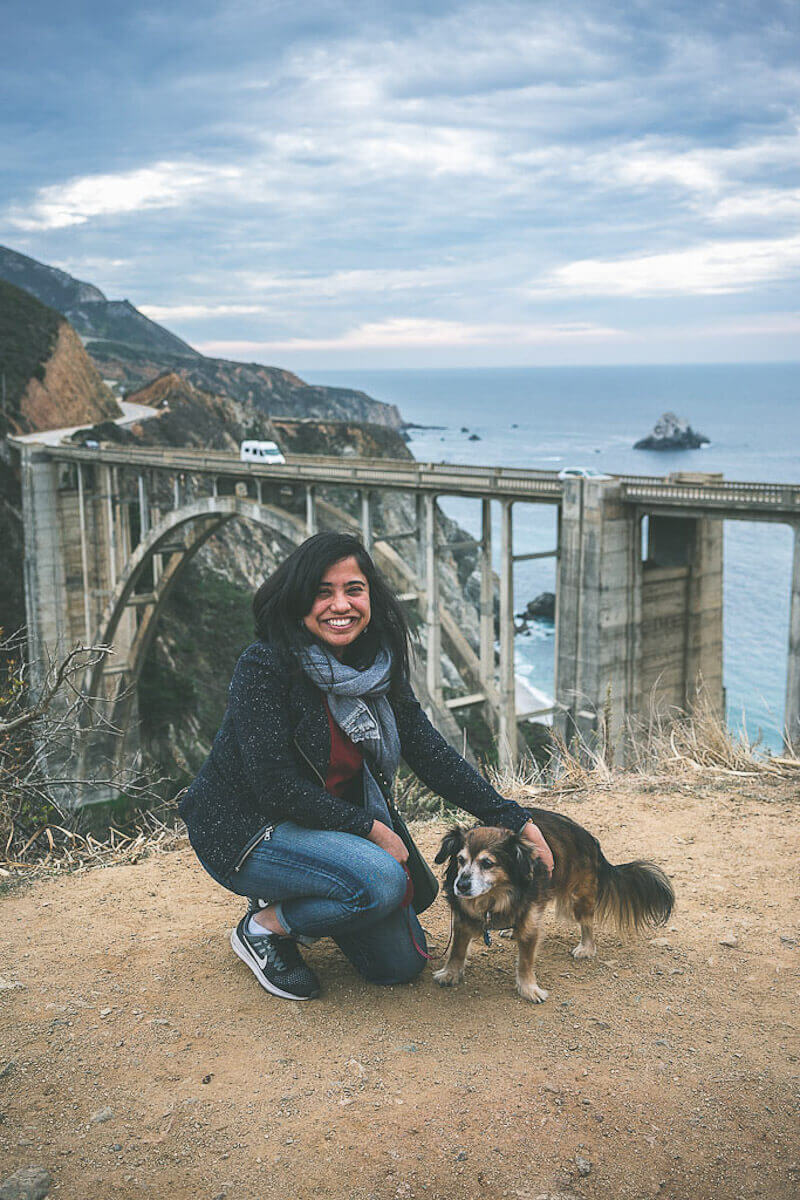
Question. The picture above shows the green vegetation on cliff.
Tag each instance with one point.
(28, 332)
(185, 678)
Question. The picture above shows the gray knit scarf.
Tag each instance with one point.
(358, 704)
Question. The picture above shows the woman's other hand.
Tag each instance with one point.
(533, 834)
(388, 840)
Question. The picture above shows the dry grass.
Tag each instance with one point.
(669, 747)
(154, 831)
(673, 749)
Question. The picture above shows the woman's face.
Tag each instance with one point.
(341, 610)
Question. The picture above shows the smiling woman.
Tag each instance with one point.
(294, 801)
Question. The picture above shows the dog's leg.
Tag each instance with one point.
(586, 947)
(527, 935)
(583, 911)
(452, 973)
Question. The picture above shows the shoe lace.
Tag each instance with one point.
(282, 952)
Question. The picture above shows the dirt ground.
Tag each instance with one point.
(139, 1057)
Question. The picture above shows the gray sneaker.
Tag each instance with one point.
(276, 963)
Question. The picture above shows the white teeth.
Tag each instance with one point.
(342, 622)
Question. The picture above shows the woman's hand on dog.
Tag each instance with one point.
(532, 833)
(388, 840)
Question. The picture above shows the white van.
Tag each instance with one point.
(263, 452)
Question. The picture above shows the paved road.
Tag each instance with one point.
(52, 437)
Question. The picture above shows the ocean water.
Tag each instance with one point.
(553, 417)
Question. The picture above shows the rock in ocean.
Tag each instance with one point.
(672, 433)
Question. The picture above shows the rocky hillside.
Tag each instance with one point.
(49, 379)
(133, 351)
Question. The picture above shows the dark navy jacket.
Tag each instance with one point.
(270, 758)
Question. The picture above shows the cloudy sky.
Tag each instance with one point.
(417, 183)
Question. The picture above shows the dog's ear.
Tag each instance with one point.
(520, 860)
(452, 842)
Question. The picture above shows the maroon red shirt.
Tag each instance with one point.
(346, 759)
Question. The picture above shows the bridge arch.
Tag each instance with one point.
(163, 555)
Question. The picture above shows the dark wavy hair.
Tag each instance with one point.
(288, 594)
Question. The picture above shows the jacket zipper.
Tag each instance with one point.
(266, 833)
(263, 835)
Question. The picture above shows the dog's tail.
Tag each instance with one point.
(634, 895)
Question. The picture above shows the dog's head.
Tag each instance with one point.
(484, 858)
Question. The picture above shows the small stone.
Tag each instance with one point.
(7, 1069)
(729, 940)
(8, 985)
(106, 1012)
(115, 1147)
(461, 1156)
(583, 1165)
(101, 1116)
(660, 941)
(28, 1183)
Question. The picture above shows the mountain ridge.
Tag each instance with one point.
(129, 348)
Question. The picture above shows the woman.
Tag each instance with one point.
(291, 803)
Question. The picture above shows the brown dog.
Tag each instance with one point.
(494, 880)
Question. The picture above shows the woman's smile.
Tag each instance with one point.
(341, 609)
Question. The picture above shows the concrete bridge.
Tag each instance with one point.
(108, 532)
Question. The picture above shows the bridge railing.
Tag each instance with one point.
(457, 478)
(722, 494)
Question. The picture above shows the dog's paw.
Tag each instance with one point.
(532, 992)
(447, 977)
(583, 951)
(507, 933)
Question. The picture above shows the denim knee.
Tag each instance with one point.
(385, 888)
(405, 971)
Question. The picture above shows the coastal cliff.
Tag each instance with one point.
(130, 349)
(49, 380)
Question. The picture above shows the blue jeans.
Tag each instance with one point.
(329, 884)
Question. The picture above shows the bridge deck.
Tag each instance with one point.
(733, 499)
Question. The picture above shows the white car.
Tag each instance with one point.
(267, 453)
(581, 473)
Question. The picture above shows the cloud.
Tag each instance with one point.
(191, 312)
(420, 333)
(161, 185)
(713, 268)
(764, 205)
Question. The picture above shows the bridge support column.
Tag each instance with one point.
(419, 503)
(791, 720)
(487, 597)
(87, 618)
(46, 600)
(634, 634)
(311, 510)
(596, 589)
(366, 520)
(144, 509)
(507, 732)
(432, 615)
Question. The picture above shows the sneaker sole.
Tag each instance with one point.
(241, 952)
